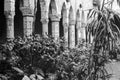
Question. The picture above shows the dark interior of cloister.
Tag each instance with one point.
(18, 22)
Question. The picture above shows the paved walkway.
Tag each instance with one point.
(114, 68)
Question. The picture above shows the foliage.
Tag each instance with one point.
(45, 57)
(72, 63)
(32, 55)
(104, 26)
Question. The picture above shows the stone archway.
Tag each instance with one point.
(53, 7)
(50, 27)
(61, 32)
(38, 24)
(18, 20)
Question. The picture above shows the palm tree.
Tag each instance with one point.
(104, 26)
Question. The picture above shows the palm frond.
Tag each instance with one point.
(115, 26)
(104, 25)
(118, 2)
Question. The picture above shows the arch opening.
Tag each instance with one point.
(2, 22)
(38, 24)
(18, 20)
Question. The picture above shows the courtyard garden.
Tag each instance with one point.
(44, 58)
(47, 59)
(38, 58)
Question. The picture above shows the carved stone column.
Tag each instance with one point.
(78, 26)
(72, 34)
(28, 15)
(83, 29)
(44, 16)
(65, 26)
(83, 32)
(9, 11)
(65, 22)
(91, 39)
(55, 18)
(71, 29)
(44, 27)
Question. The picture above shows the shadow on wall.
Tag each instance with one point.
(38, 25)
(61, 28)
(2, 22)
(18, 20)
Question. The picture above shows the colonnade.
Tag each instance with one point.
(73, 28)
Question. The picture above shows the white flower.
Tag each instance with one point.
(25, 78)
(33, 77)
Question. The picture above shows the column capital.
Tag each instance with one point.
(55, 17)
(42, 3)
(72, 22)
(78, 21)
(27, 11)
(43, 8)
(83, 25)
(44, 14)
(9, 5)
(44, 20)
(65, 24)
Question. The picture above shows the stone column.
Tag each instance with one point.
(83, 29)
(44, 27)
(71, 29)
(65, 22)
(28, 15)
(65, 26)
(91, 39)
(9, 11)
(72, 34)
(44, 16)
(55, 25)
(78, 26)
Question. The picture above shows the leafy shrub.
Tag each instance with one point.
(32, 54)
(49, 59)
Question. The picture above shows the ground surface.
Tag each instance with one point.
(114, 68)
